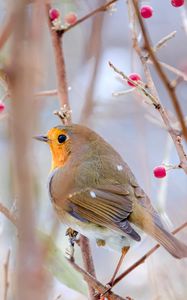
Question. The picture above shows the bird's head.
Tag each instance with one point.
(59, 140)
(65, 140)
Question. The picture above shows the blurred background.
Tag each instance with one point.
(130, 125)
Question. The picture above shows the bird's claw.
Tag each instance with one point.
(69, 252)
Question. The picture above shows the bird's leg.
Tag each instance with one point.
(72, 234)
(124, 251)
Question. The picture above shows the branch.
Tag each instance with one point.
(7, 30)
(170, 89)
(88, 262)
(7, 213)
(176, 139)
(47, 93)
(96, 285)
(144, 257)
(102, 8)
(60, 63)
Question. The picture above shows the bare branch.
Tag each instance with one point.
(176, 139)
(97, 286)
(170, 89)
(60, 62)
(88, 262)
(5, 211)
(144, 257)
(102, 8)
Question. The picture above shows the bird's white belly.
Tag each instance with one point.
(113, 240)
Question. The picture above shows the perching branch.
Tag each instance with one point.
(88, 262)
(96, 285)
(144, 257)
(170, 89)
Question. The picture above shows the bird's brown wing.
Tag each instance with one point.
(104, 206)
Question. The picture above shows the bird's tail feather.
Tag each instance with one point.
(154, 228)
(169, 242)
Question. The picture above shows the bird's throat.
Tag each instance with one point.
(59, 157)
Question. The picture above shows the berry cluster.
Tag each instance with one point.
(70, 18)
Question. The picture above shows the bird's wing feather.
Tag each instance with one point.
(106, 207)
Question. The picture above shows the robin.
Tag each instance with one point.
(95, 193)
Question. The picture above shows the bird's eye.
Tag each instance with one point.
(62, 138)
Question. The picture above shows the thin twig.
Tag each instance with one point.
(60, 63)
(172, 69)
(176, 139)
(170, 89)
(174, 135)
(139, 86)
(144, 257)
(96, 285)
(47, 93)
(163, 41)
(6, 275)
(102, 8)
(184, 17)
(7, 213)
(88, 262)
(6, 30)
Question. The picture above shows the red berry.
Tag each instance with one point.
(146, 11)
(135, 77)
(71, 18)
(177, 3)
(54, 14)
(159, 172)
(2, 107)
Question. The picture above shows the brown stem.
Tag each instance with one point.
(6, 30)
(170, 89)
(88, 262)
(96, 285)
(144, 257)
(177, 142)
(59, 61)
(102, 8)
(5, 211)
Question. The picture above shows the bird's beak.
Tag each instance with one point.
(41, 138)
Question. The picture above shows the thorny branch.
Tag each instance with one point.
(176, 139)
(170, 89)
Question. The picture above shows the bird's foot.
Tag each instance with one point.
(104, 295)
(69, 252)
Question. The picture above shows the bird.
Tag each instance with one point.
(95, 193)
